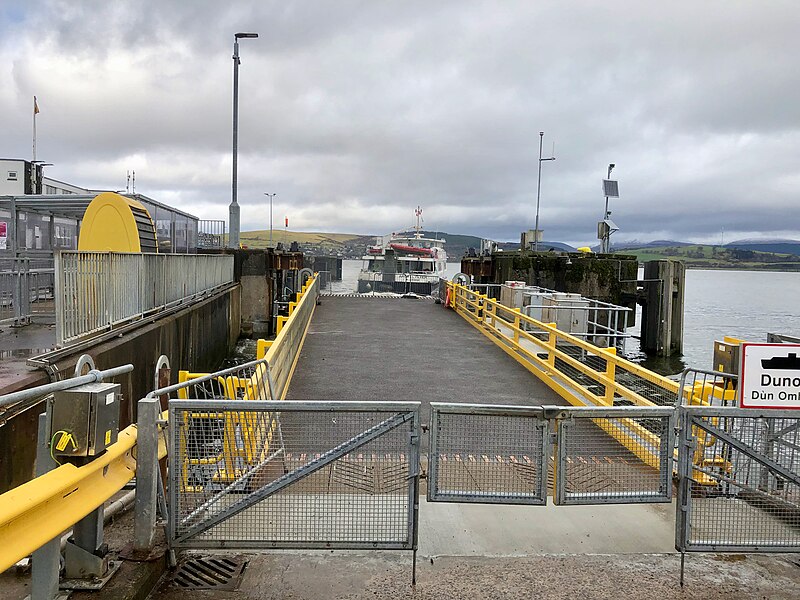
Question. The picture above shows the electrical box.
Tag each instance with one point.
(726, 357)
(85, 420)
(568, 311)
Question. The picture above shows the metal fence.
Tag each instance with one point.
(211, 234)
(488, 454)
(97, 290)
(739, 480)
(282, 353)
(582, 373)
(27, 289)
(708, 388)
(619, 455)
(307, 474)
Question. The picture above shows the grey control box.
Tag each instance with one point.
(85, 420)
(726, 357)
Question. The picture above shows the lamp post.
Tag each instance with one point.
(539, 193)
(234, 212)
(271, 196)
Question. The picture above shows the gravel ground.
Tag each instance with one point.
(384, 575)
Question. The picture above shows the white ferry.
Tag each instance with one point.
(404, 262)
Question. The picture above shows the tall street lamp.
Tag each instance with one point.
(539, 193)
(271, 196)
(234, 213)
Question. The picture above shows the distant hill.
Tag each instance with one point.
(775, 245)
(653, 244)
(702, 256)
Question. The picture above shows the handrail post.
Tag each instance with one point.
(46, 560)
(517, 313)
(552, 338)
(146, 474)
(610, 373)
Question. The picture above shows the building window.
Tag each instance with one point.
(49, 189)
(12, 175)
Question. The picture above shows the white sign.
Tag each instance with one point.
(3, 234)
(769, 376)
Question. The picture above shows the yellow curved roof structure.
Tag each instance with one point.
(113, 223)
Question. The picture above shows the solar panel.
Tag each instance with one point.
(611, 188)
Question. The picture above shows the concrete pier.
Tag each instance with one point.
(379, 348)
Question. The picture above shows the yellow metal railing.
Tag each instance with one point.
(36, 512)
(580, 372)
(272, 376)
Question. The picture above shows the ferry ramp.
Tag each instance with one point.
(388, 348)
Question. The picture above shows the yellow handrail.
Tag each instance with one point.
(509, 329)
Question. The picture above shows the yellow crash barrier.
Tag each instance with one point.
(38, 511)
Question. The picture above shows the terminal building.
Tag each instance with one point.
(47, 221)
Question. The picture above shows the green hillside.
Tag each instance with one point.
(702, 256)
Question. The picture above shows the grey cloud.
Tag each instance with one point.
(355, 112)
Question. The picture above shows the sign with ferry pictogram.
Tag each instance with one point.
(769, 376)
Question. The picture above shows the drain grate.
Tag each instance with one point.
(210, 573)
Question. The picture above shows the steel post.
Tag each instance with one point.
(47, 559)
(234, 211)
(146, 474)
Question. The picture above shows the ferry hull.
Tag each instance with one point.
(423, 288)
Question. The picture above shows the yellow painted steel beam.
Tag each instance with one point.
(42, 509)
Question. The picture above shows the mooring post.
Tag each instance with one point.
(662, 313)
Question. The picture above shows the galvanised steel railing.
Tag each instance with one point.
(97, 290)
(26, 289)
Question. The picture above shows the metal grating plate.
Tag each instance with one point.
(210, 573)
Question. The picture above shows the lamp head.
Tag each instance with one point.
(245, 35)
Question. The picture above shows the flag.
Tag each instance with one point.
(35, 106)
(287, 221)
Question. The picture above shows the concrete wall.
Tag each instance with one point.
(608, 278)
(197, 338)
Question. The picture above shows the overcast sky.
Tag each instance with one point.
(354, 112)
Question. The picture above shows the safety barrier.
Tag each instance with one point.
(329, 475)
(502, 454)
(26, 289)
(38, 511)
(283, 352)
(751, 458)
(614, 455)
(98, 290)
(582, 373)
(488, 454)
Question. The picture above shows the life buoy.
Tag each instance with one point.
(447, 298)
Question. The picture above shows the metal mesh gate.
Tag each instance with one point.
(740, 480)
(492, 454)
(252, 474)
(614, 455)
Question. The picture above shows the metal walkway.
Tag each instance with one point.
(407, 349)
